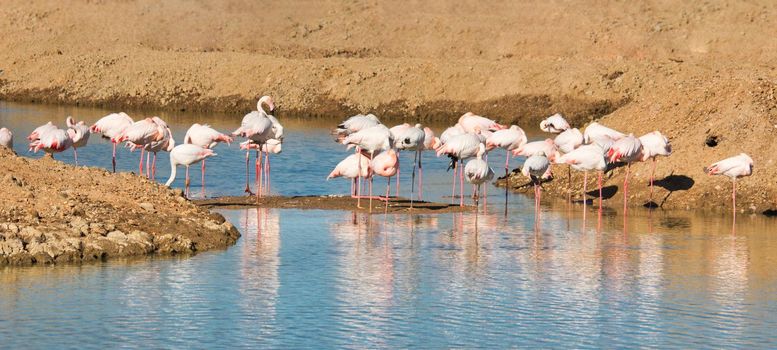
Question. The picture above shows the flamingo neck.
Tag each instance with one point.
(173, 166)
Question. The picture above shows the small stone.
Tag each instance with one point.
(117, 236)
(147, 207)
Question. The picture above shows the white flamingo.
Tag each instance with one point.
(654, 144)
(112, 126)
(259, 127)
(81, 139)
(206, 137)
(459, 148)
(472, 123)
(586, 158)
(478, 172)
(411, 138)
(734, 167)
(554, 124)
(628, 149)
(536, 168)
(167, 143)
(353, 167)
(598, 133)
(6, 138)
(371, 140)
(186, 155)
(354, 124)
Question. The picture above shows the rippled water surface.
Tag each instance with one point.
(333, 279)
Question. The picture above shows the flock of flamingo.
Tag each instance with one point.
(377, 146)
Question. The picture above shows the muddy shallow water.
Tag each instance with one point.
(337, 278)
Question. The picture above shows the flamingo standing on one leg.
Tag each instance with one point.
(82, 137)
(460, 148)
(478, 172)
(536, 167)
(54, 141)
(554, 124)
(371, 140)
(654, 144)
(430, 144)
(509, 140)
(186, 155)
(353, 167)
(271, 146)
(598, 133)
(206, 137)
(735, 167)
(446, 135)
(385, 164)
(469, 122)
(412, 139)
(45, 128)
(142, 133)
(354, 124)
(586, 158)
(566, 142)
(112, 126)
(627, 150)
(397, 134)
(6, 138)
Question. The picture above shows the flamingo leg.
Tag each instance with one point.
(601, 173)
(186, 183)
(248, 188)
(569, 183)
(75, 155)
(148, 165)
(453, 184)
(260, 175)
(267, 159)
(202, 171)
(113, 160)
(420, 177)
(652, 176)
(461, 183)
(485, 196)
(140, 165)
(388, 189)
(412, 179)
(399, 161)
(734, 196)
(372, 156)
(585, 188)
(153, 167)
(359, 181)
(626, 186)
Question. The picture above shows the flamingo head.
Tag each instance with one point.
(265, 100)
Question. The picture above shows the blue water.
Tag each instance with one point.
(338, 279)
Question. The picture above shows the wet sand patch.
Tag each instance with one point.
(332, 202)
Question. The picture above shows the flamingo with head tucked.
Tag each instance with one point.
(478, 172)
(554, 124)
(628, 149)
(354, 124)
(386, 164)
(586, 158)
(112, 126)
(186, 155)
(459, 148)
(80, 139)
(371, 140)
(142, 133)
(54, 141)
(6, 138)
(567, 141)
(472, 123)
(654, 144)
(167, 143)
(353, 167)
(598, 133)
(536, 168)
(206, 137)
(411, 138)
(734, 167)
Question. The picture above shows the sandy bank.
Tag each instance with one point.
(51, 212)
(695, 71)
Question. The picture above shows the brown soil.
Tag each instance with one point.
(51, 212)
(395, 205)
(694, 70)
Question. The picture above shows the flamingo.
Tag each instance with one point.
(397, 132)
(628, 150)
(6, 138)
(654, 144)
(430, 141)
(259, 127)
(546, 147)
(371, 140)
(355, 124)
(112, 126)
(186, 155)
(460, 148)
(412, 139)
(142, 133)
(166, 144)
(554, 124)
(353, 167)
(206, 137)
(586, 158)
(598, 133)
(45, 128)
(536, 167)
(81, 140)
(478, 172)
(507, 139)
(54, 141)
(734, 167)
(386, 164)
(469, 122)
(567, 141)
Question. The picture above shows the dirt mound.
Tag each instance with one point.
(51, 212)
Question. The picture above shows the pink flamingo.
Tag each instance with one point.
(353, 167)
(554, 124)
(371, 140)
(598, 133)
(586, 158)
(112, 126)
(507, 139)
(627, 150)
(546, 147)
(54, 141)
(206, 137)
(355, 124)
(385, 164)
(259, 126)
(45, 128)
(734, 167)
(460, 148)
(397, 134)
(478, 172)
(186, 155)
(566, 142)
(166, 144)
(81, 138)
(430, 143)
(141, 133)
(471, 123)
(654, 144)
(6, 138)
